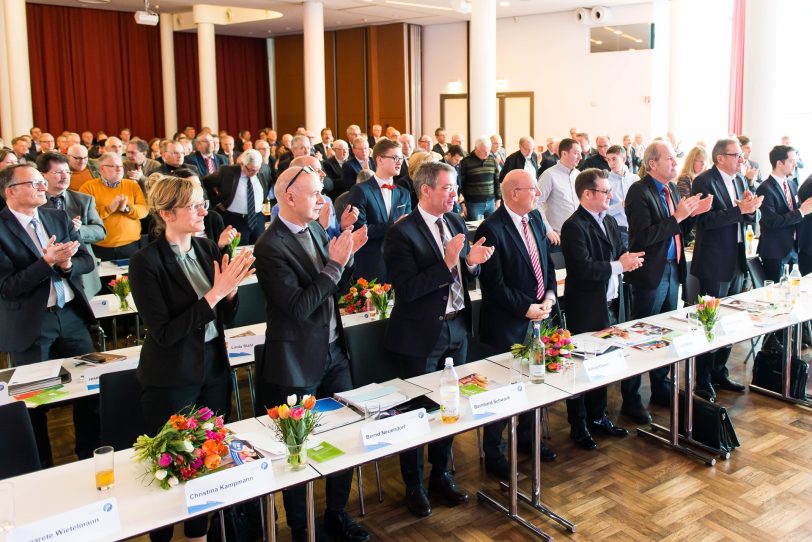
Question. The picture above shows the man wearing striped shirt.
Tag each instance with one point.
(479, 182)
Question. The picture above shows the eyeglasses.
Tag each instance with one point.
(396, 159)
(34, 184)
(604, 192)
(113, 166)
(196, 207)
(737, 155)
(78, 158)
(293, 180)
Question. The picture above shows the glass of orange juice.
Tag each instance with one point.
(103, 463)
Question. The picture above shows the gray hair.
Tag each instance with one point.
(427, 175)
(341, 144)
(299, 142)
(364, 175)
(652, 152)
(108, 155)
(721, 147)
(251, 157)
(482, 141)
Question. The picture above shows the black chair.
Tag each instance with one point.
(757, 276)
(558, 260)
(19, 456)
(119, 409)
(251, 309)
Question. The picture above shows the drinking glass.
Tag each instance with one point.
(103, 462)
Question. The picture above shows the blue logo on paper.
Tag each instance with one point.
(264, 465)
(420, 414)
(2, 386)
(236, 445)
(107, 507)
(520, 387)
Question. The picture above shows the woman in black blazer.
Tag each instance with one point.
(185, 294)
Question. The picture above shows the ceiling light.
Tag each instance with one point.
(504, 4)
(94, 1)
(618, 32)
(415, 5)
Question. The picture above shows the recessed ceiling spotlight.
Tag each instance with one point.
(94, 1)
(504, 4)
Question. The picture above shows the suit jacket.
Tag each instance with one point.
(222, 185)
(516, 160)
(367, 197)
(166, 169)
(176, 319)
(149, 167)
(507, 280)
(333, 169)
(319, 147)
(439, 150)
(421, 280)
(778, 223)
(298, 315)
(596, 161)
(758, 180)
(234, 156)
(91, 231)
(196, 159)
(25, 278)
(717, 247)
(805, 227)
(588, 253)
(547, 162)
(350, 169)
(651, 230)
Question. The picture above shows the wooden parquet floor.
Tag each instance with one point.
(628, 489)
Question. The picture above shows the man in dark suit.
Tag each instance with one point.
(302, 275)
(550, 157)
(43, 307)
(299, 146)
(781, 214)
(237, 193)
(332, 167)
(595, 258)
(441, 147)
(227, 149)
(428, 259)
(380, 203)
(749, 168)
(325, 146)
(656, 214)
(598, 159)
(518, 287)
(205, 160)
(524, 158)
(137, 167)
(356, 162)
(720, 260)
(81, 209)
(805, 231)
(172, 156)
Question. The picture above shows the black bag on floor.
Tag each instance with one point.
(243, 523)
(712, 424)
(767, 372)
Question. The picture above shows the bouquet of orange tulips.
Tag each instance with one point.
(293, 423)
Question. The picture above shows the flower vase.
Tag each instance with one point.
(124, 304)
(381, 314)
(297, 456)
(710, 330)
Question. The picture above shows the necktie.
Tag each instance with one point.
(251, 209)
(57, 202)
(388, 186)
(533, 251)
(788, 195)
(56, 281)
(209, 164)
(678, 237)
(457, 297)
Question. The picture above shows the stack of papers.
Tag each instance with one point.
(386, 396)
(34, 377)
(333, 414)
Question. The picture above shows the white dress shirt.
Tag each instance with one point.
(557, 201)
(385, 193)
(612, 288)
(240, 202)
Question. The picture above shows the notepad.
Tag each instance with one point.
(387, 396)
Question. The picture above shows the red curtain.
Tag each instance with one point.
(736, 101)
(187, 80)
(94, 70)
(243, 90)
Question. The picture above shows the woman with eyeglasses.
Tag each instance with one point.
(186, 291)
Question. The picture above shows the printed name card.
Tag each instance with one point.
(507, 399)
(607, 364)
(4, 398)
(99, 305)
(92, 374)
(736, 322)
(394, 429)
(688, 343)
(97, 521)
(243, 346)
(230, 485)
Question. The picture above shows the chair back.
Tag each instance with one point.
(369, 360)
(756, 270)
(259, 364)
(120, 409)
(19, 456)
(251, 309)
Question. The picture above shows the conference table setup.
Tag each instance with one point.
(669, 339)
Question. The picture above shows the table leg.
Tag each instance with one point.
(311, 513)
(236, 385)
(270, 521)
(115, 332)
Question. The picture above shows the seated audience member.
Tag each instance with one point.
(155, 149)
(114, 145)
(359, 160)
(121, 205)
(598, 160)
(82, 170)
(137, 167)
(238, 192)
(205, 159)
(173, 156)
(299, 146)
(425, 142)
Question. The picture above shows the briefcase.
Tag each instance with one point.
(712, 425)
(767, 372)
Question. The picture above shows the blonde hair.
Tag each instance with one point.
(167, 193)
(693, 155)
(418, 158)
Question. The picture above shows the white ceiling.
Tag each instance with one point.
(340, 13)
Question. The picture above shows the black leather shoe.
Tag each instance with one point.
(706, 392)
(582, 437)
(342, 527)
(498, 467)
(446, 487)
(546, 454)
(418, 502)
(728, 384)
(606, 427)
(637, 413)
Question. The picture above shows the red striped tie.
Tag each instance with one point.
(788, 195)
(533, 251)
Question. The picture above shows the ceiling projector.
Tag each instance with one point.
(148, 18)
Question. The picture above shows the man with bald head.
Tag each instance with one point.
(301, 274)
(81, 169)
(518, 287)
(237, 192)
(173, 156)
(524, 158)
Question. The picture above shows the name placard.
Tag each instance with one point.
(394, 429)
(507, 399)
(97, 521)
(732, 323)
(688, 343)
(4, 398)
(243, 346)
(230, 485)
(92, 374)
(99, 305)
(605, 365)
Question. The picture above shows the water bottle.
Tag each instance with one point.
(449, 393)
(536, 354)
(749, 236)
(794, 283)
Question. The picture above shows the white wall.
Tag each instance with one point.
(444, 60)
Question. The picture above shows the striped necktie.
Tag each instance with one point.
(56, 281)
(457, 297)
(533, 251)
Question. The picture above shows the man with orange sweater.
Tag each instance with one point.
(121, 206)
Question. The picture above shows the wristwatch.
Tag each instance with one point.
(127, 209)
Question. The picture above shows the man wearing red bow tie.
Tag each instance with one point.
(380, 204)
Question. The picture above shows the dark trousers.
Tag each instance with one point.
(712, 367)
(336, 379)
(63, 334)
(237, 221)
(648, 302)
(805, 262)
(453, 343)
(116, 253)
(159, 403)
(774, 267)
